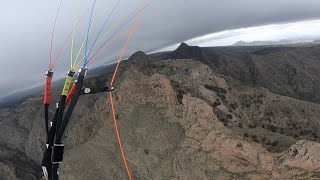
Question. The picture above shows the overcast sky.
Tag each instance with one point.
(26, 29)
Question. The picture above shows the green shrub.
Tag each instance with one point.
(233, 106)
(255, 138)
(264, 139)
(252, 126)
(239, 145)
(146, 151)
(216, 103)
(314, 134)
(275, 143)
(215, 89)
(229, 116)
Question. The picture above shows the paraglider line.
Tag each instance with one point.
(122, 27)
(111, 99)
(66, 40)
(53, 31)
(105, 22)
(106, 45)
(125, 21)
(125, 46)
(118, 135)
(77, 63)
(85, 52)
(83, 42)
(92, 57)
(72, 39)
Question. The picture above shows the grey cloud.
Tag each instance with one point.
(26, 27)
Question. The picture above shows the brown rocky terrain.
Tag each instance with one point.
(178, 119)
(288, 71)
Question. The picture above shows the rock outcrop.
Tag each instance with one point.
(304, 155)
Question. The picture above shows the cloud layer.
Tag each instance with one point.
(26, 27)
(303, 30)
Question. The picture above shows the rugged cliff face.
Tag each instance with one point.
(178, 119)
(289, 71)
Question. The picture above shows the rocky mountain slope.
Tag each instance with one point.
(179, 119)
(289, 71)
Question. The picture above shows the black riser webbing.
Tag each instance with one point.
(57, 151)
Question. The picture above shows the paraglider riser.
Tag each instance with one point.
(57, 153)
(46, 99)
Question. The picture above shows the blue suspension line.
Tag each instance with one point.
(85, 52)
(105, 22)
(121, 28)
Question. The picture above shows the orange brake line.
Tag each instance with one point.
(118, 135)
(111, 99)
(92, 57)
(125, 46)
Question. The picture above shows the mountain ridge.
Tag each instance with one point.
(253, 67)
(179, 118)
(283, 42)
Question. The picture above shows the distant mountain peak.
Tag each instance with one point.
(138, 55)
(184, 51)
(239, 43)
(183, 45)
(185, 48)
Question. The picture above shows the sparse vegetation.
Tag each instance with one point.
(215, 89)
(234, 105)
(268, 142)
(264, 139)
(294, 125)
(275, 143)
(146, 151)
(229, 116)
(281, 130)
(239, 145)
(225, 120)
(254, 138)
(269, 113)
(259, 101)
(252, 126)
(314, 135)
(246, 135)
(221, 93)
(248, 100)
(272, 128)
(216, 103)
